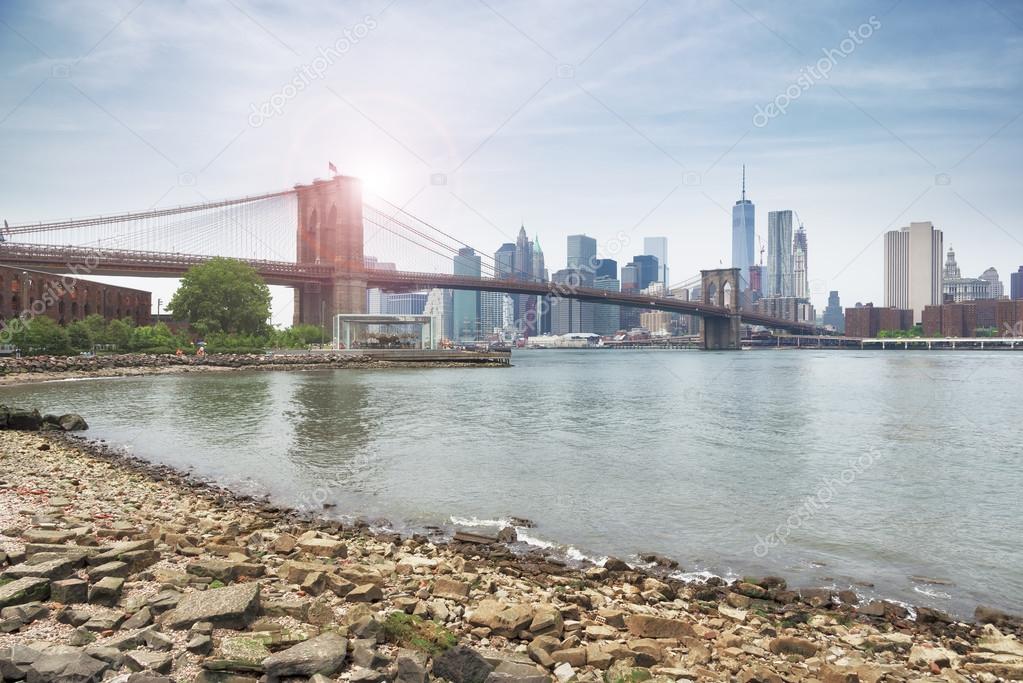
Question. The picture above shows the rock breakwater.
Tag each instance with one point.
(115, 569)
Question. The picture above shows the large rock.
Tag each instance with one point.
(647, 626)
(72, 422)
(15, 662)
(503, 620)
(323, 654)
(28, 589)
(461, 664)
(56, 568)
(69, 667)
(22, 418)
(230, 607)
(787, 645)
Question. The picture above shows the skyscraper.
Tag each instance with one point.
(1016, 284)
(504, 261)
(647, 269)
(995, 286)
(743, 237)
(912, 267)
(570, 315)
(833, 313)
(466, 304)
(607, 268)
(438, 307)
(658, 246)
(582, 251)
(525, 304)
(800, 278)
(779, 254)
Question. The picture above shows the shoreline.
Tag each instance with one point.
(32, 369)
(528, 613)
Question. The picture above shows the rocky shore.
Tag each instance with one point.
(45, 368)
(114, 569)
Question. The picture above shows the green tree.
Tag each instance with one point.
(119, 333)
(41, 335)
(223, 295)
(80, 336)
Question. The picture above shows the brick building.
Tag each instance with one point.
(66, 298)
(869, 320)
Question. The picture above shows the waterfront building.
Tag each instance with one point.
(438, 306)
(800, 279)
(658, 323)
(743, 237)
(786, 308)
(630, 285)
(779, 254)
(466, 304)
(912, 267)
(1016, 284)
(996, 290)
(582, 251)
(66, 299)
(833, 313)
(658, 248)
(869, 320)
(491, 313)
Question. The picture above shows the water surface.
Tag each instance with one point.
(867, 466)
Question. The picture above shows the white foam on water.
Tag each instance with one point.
(477, 522)
(932, 593)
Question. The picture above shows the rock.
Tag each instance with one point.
(240, 653)
(830, 673)
(224, 570)
(76, 667)
(27, 589)
(72, 422)
(461, 664)
(24, 419)
(564, 672)
(787, 645)
(106, 591)
(613, 564)
(15, 661)
(57, 568)
(367, 592)
(875, 608)
(69, 591)
(324, 654)
(114, 568)
(646, 626)
(503, 620)
(507, 534)
(547, 620)
(925, 655)
(989, 615)
(409, 670)
(323, 547)
(450, 589)
(230, 607)
(576, 656)
(200, 644)
(144, 617)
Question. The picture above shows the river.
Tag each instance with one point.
(896, 473)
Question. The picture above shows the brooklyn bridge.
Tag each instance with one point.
(314, 238)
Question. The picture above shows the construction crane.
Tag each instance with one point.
(761, 250)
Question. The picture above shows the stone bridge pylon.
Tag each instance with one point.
(720, 287)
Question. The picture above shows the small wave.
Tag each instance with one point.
(476, 522)
(932, 593)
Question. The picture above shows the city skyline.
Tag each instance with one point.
(579, 137)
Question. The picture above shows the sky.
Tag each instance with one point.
(617, 119)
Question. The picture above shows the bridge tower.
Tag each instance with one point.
(330, 233)
(720, 287)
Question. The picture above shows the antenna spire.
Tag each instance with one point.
(744, 182)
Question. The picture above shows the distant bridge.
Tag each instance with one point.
(329, 272)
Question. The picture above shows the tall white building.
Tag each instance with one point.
(438, 307)
(800, 277)
(743, 222)
(913, 268)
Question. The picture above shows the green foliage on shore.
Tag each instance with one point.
(41, 336)
(409, 630)
(912, 333)
(223, 295)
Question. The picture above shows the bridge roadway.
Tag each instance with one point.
(85, 261)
